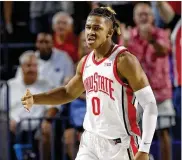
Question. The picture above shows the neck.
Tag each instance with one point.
(60, 38)
(45, 56)
(103, 49)
(27, 81)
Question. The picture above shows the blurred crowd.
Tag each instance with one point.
(150, 30)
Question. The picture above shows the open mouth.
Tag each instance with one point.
(91, 39)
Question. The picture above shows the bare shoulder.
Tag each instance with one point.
(80, 65)
(127, 61)
(129, 68)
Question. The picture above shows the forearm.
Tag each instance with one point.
(147, 100)
(166, 12)
(53, 97)
(8, 7)
(148, 127)
(160, 49)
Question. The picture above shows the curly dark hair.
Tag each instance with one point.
(108, 13)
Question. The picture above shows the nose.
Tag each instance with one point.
(91, 32)
(44, 45)
(143, 16)
(33, 68)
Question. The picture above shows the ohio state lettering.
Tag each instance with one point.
(96, 83)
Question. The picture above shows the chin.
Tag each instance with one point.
(93, 46)
(90, 46)
(60, 33)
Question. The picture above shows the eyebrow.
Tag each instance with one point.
(95, 25)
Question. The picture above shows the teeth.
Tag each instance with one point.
(91, 38)
(91, 41)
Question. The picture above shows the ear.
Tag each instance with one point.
(36, 44)
(110, 33)
(53, 27)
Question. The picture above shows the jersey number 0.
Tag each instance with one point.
(96, 105)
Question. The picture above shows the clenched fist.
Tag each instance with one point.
(27, 100)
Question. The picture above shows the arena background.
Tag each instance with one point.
(20, 23)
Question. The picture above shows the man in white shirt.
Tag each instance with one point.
(17, 86)
(54, 65)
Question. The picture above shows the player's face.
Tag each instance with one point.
(96, 31)
(143, 14)
(30, 69)
(44, 43)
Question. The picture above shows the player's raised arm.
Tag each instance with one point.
(59, 95)
(130, 69)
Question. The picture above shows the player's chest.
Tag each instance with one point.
(105, 67)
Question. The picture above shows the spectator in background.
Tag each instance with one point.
(8, 9)
(41, 14)
(151, 46)
(64, 37)
(157, 19)
(77, 114)
(52, 62)
(73, 128)
(173, 21)
(170, 8)
(57, 67)
(29, 79)
(75, 110)
(47, 130)
(123, 8)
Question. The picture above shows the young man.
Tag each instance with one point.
(109, 75)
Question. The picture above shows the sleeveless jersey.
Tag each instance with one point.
(110, 102)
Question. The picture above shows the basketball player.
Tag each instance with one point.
(114, 83)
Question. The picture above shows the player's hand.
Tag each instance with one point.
(141, 156)
(27, 100)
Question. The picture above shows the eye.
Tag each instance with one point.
(87, 27)
(96, 28)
